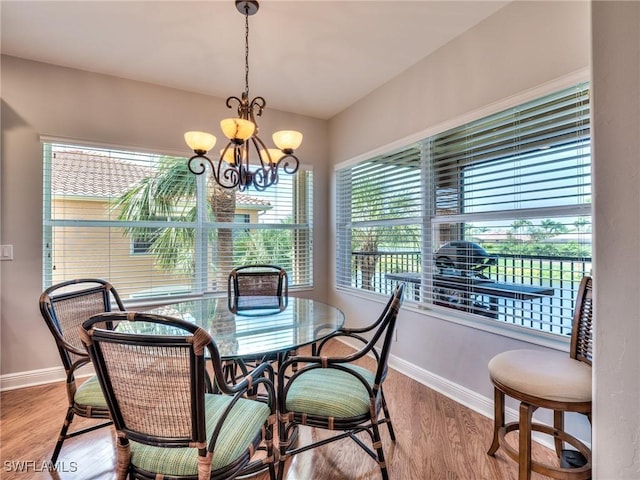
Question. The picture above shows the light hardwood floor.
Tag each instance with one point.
(437, 438)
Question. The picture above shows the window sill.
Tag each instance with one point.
(524, 334)
(478, 322)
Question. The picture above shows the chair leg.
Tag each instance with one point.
(387, 417)
(377, 444)
(272, 472)
(281, 465)
(63, 435)
(283, 446)
(524, 434)
(123, 459)
(498, 420)
(558, 425)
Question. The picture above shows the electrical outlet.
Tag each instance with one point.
(6, 252)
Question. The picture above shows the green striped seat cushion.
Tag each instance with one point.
(240, 428)
(315, 392)
(90, 393)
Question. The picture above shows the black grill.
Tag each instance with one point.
(463, 258)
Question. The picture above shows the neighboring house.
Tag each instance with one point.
(84, 188)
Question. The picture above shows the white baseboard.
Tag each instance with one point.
(32, 378)
(470, 399)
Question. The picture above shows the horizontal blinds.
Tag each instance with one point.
(380, 209)
(490, 219)
(515, 187)
(532, 156)
(545, 122)
(149, 226)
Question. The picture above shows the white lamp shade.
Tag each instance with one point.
(287, 139)
(274, 153)
(237, 128)
(229, 155)
(200, 141)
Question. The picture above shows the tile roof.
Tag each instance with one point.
(86, 174)
(94, 175)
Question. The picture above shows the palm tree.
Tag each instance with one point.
(170, 194)
(260, 246)
(375, 203)
(223, 207)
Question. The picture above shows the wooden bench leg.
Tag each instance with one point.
(524, 451)
(558, 424)
(498, 420)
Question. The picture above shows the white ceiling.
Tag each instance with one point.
(309, 57)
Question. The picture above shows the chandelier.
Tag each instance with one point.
(234, 167)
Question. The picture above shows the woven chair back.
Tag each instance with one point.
(154, 383)
(66, 305)
(582, 328)
(258, 280)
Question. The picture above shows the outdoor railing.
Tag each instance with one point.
(551, 313)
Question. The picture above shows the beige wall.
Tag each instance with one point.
(516, 51)
(40, 99)
(522, 47)
(616, 152)
(519, 51)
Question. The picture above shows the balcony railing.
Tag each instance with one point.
(558, 277)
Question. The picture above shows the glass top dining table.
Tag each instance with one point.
(256, 326)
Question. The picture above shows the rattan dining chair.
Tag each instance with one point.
(258, 280)
(334, 393)
(64, 307)
(170, 422)
(253, 289)
(551, 380)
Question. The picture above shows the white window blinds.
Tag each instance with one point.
(496, 212)
(380, 204)
(149, 226)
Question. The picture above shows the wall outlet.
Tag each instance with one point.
(6, 252)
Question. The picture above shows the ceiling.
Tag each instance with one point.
(313, 58)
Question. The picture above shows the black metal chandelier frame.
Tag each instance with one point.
(237, 172)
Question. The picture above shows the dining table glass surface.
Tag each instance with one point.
(250, 326)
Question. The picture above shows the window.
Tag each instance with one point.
(148, 225)
(489, 219)
(141, 242)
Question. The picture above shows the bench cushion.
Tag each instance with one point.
(548, 375)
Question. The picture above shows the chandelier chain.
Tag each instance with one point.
(246, 50)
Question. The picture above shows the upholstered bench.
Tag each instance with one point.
(553, 380)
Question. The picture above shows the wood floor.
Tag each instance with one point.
(436, 439)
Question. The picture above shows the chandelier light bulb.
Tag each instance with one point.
(237, 129)
(200, 141)
(230, 155)
(272, 153)
(287, 140)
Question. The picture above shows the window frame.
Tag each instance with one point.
(200, 282)
(551, 340)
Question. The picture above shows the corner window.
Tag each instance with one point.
(491, 219)
(150, 227)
